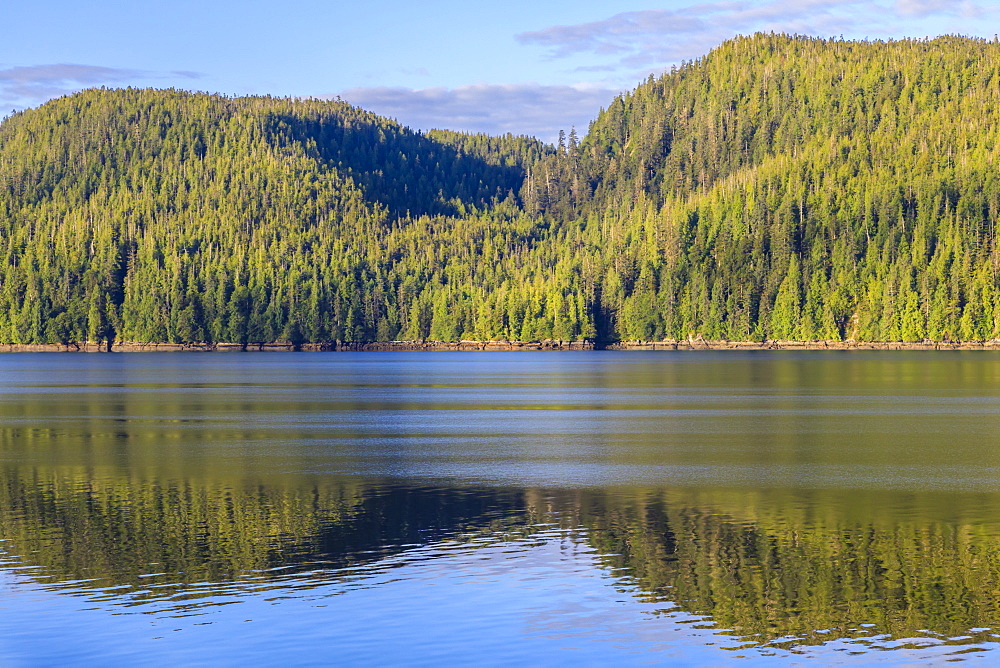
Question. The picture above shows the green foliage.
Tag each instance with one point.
(797, 188)
(170, 216)
(780, 187)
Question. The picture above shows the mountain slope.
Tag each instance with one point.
(779, 187)
(170, 216)
(802, 188)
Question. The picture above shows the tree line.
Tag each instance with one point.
(781, 187)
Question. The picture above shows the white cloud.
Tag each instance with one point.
(530, 109)
(26, 86)
(659, 37)
(30, 85)
(922, 8)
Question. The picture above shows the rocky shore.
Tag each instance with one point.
(282, 346)
(702, 344)
(429, 346)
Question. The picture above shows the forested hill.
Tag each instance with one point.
(780, 187)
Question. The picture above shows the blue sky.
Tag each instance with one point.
(527, 67)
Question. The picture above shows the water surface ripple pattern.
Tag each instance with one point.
(700, 508)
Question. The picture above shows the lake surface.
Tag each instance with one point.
(497, 508)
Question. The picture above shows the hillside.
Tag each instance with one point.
(798, 188)
(170, 216)
(780, 187)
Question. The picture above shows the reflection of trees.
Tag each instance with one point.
(812, 565)
(774, 577)
(120, 531)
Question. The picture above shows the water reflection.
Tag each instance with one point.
(779, 570)
(208, 488)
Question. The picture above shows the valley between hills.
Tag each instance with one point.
(781, 191)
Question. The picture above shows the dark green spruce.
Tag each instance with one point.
(778, 188)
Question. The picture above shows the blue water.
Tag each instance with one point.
(499, 508)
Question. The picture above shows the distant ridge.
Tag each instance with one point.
(780, 188)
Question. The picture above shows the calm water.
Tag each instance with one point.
(691, 508)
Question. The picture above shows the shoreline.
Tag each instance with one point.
(498, 346)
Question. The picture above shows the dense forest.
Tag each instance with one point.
(780, 187)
